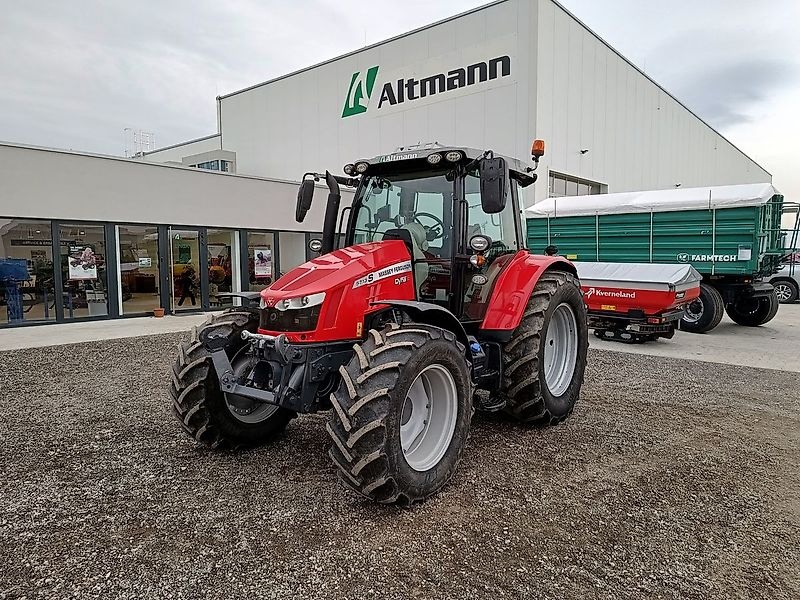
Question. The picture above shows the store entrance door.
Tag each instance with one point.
(188, 270)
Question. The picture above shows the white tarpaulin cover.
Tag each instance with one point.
(620, 274)
(725, 196)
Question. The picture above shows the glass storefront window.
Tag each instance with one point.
(260, 260)
(293, 250)
(222, 266)
(185, 273)
(26, 271)
(83, 270)
(139, 268)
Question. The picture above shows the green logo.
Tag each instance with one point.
(360, 90)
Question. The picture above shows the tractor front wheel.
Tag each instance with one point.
(211, 417)
(401, 413)
(544, 363)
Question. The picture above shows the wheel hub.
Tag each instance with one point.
(783, 291)
(694, 311)
(428, 417)
(242, 408)
(561, 349)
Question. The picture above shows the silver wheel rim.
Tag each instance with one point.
(693, 312)
(560, 350)
(245, 409)
(428, 417)
(783, 291)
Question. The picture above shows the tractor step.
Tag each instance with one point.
(488, 404)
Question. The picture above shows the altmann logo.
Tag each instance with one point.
(359, 93)
(408, 90)
(684, 257)
(593, 291)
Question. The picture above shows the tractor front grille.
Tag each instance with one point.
(301, 319)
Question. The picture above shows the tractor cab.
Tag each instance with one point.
(457, 210)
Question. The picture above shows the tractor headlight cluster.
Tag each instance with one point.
(361, 167)
(434, 158)
(454, 156)
(299, 302)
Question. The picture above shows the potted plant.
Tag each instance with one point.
(158, 312)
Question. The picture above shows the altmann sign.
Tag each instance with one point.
(403, 90)
(685, 257)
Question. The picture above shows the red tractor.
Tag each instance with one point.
(430, 309)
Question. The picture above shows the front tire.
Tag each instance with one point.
(401, 413)
(211, 417)
(545, 360)
(705, 312)
(752, 312)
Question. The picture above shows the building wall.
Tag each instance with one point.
(53, 184)
(295, 124)
(638, 136)
(175, 154)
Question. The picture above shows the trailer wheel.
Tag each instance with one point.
(545, 360)
(752, 312)
(401, 413)
(786, 290)
(211, 417)
(704, 313)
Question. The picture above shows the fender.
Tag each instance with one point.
(514, 287)
(252, 298)
(431, 314)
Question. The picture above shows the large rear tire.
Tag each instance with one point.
(545, 360)
(211, 417)
(704, 313)
(401, 413)
(752, 312)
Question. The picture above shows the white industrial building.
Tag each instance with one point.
(494, 77)
(215, 214)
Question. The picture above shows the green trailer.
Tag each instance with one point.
(731, 234)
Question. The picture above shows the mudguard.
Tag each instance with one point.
(514, 286)
(430, 314)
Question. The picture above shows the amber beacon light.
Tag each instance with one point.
(537, 149)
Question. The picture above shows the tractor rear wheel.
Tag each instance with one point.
(545, 360)
(752, 312)
(401, 413)
(211, 417)
(705, 312)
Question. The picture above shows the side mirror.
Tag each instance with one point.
(493, 174)
(304, 197)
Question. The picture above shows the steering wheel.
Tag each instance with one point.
(431, 233)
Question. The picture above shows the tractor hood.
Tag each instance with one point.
(353, 279)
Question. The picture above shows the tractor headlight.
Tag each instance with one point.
(301, 302)
(434, 158)
(453, 156)
(361, 167)
(349, 169)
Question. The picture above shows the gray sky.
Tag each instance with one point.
(74, 75)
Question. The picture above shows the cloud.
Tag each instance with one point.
(729, 94)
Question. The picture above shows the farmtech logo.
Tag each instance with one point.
(600, 293)
(359, 93)
(684, 257)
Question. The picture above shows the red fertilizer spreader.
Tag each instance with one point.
(634, 303)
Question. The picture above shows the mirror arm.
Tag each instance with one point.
(331, 212)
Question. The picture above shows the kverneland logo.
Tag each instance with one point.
(600, 293)
(408, 90)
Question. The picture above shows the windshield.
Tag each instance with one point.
(419, 202)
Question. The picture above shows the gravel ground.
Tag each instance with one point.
(673, 479)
